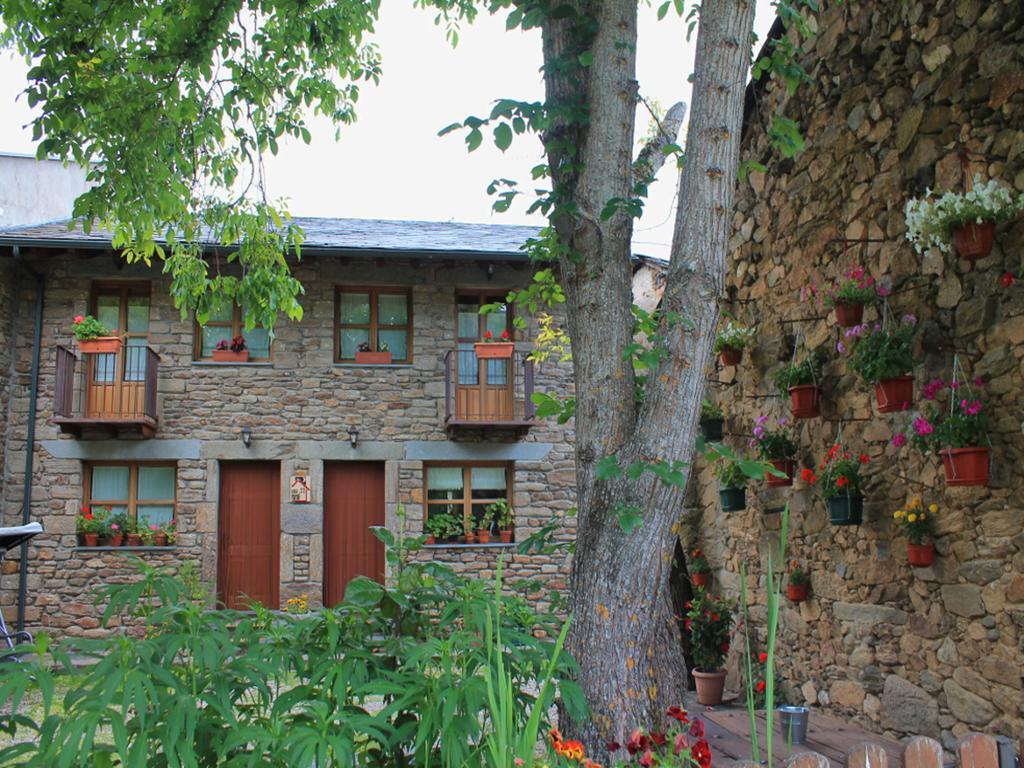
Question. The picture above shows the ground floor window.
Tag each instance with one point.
(145, 493)
(463, 492)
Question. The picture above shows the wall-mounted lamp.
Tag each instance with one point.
(353, 435)
(490, 271)
(246, 437)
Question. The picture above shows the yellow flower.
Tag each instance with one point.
(911, 517)
(922, 515)
(933, 508)
(917, 502)
(898, 514)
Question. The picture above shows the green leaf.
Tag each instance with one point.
(608, 468)
(503, 136)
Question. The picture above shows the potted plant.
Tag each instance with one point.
(956, 432)
(965, 220)
(133, 538)
(883, 357)
(850, 295)
(491, 348)
(840, 485)
(437, 528)
(233, 351)
(115, 529)
(93, 337)
(709, 623)
(89, 526)
(366, 356)
(800, 382)
(700, 569)
(165, 535)
(732, 485)
(711, 421)
(799, 585)
(918, 524)
(731, 341)
(483, 529)
(778, 447)
(506, 518)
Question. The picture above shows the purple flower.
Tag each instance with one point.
(783, 421)
(922, 427)
(929, 390)
(752, 443)
(899, 440)
(910, 319)
(855, 331)
(758, 432)
(761, 421)
(840, 347)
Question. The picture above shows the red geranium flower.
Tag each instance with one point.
(78, 319)
(762, 657)
(841, 481)
(613, 746)
(864, 458)
(725, 647)
(702, 754)
(677, 713)
(504, 335)
(658, 738)
(637, 743)
(1006, 280)
(646, 759)
(760, 686)
(488, 335)
(679, 745)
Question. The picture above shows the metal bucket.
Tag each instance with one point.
(793, 723)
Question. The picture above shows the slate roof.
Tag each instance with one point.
(368, 236)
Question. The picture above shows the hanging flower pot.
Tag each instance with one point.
(973, 240)
(797, 592)
(733, 499)
(783, 465)
(966, 466)
(849, 314)
(894, 395)
(730, 356)
(805, 401)
(921, 555)
(712, 429)
(701, 579)
(710, 687)
(846, 510)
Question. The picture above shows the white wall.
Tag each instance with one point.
(33, 191)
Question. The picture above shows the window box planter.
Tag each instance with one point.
(101, 345)
(783, 465)
(966, 466)
(894, 395)
(227, 356)
(849, 314)
(846, 510)
(710, 687)
(495, 350)
(733, 499)
(730, 356)
(373, 358)
(921, 555)
(798, 592)
(973, 240)
(805, 401)
(701, 579)
(712, 429)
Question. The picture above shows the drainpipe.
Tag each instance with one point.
(30, 438)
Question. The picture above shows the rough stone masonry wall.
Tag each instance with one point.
(299, 409)
(8, 273)
(900, 90)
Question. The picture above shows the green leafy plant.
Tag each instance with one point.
(883, 353)
(917, 523)
(440, 525)
(86, 327)
(169, 529)
(503, 513)
(709, 625)
(486, 521)
(807, 371)
(734, 336)
(840, 474)
(798, 576)
(730, 474)
(698, 562)
(709, 410)
(89, 521)
(778, 443)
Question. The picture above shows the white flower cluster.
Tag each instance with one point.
(931, 223)
(735, 336)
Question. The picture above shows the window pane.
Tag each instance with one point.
(104, 368)
(497, 372)
(454, 510)
(496, 322)
(138, 314)
(355, 308)
(211, 335)
(488, 479)
(156, 483)
(396, 341)
(351, 338)
(445, 479)
(155, 515)
(109, 483)
(392, 309)
(135, 359)
(469, 372)
(258, 342)
(108, 311)
(469, 321)
(222, 313)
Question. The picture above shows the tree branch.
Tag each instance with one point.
(650, 159)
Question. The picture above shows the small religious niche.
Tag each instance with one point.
(301, 492)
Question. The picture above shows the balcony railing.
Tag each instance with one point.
(488, 394)
(106, 391)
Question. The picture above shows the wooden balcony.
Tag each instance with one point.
(487, 395)
(110, 393)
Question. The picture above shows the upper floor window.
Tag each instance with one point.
(224, 324)
(123, 308)
(143, 492)
(376, 319)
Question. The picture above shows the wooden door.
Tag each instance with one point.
(483, 388)
(248, 551)
(353, 502)
(116, 382)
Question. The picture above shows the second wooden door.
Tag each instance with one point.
(353, 503)
(248, 551)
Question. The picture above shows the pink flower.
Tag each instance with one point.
(929, 390)
(979, 381)
(899, 440)
(922, 427)
(115, 527)
(761, 421)
(78, 319)
(883, 291)
(783, 421)
(154, 527)
(910, 319)
(972, 408)
(954, 385)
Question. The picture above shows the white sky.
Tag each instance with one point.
(392, 165)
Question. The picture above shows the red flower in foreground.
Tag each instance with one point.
(488, 335)
(504, 335)
(637, 743)
(613, 746)
(697, 729)
(864, 458)
(658, 738)
(760, 686)
(78, 319)
(1006, 280)
(702, 754)
(677, 713)
(762, 657)
(841, 481)
(646, 759)
(808, 476)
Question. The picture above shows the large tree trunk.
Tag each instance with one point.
(624, 632)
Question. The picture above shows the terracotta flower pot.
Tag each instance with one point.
(965, 466)
(90, 539)
(894, 394)
(805, 401)
(484, 537)
(710, 687)
(797, 592)
(700, 579)
(227, 356)
(431, 540)
(374, 358)
(101, 345)
(730, 356)
(849, 314)
(494, 350)
(159, 539)
(134, 540)
(783, 465)
(506, 535)
(116, 539)
(921, 555)
(973, 241)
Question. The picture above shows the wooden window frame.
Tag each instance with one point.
(131, 504)
(483, 296)
(237, 326)
(467, 486)
(125, 288)
(373, 327)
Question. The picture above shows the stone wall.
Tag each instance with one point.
(299, 408)
(901, 93)
(8, 275)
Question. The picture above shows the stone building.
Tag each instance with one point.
(902, 96)
(161, 431)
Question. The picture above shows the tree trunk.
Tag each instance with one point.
(624, 632)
